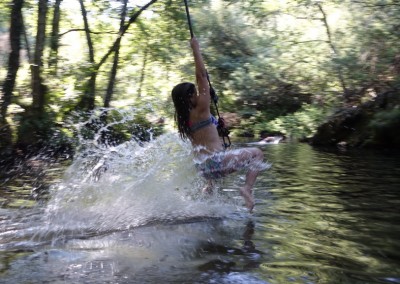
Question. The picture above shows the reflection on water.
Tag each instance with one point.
(334, 216)
(134, 215)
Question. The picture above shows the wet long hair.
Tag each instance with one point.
(181, 96)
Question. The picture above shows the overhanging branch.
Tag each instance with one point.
(132, 19)
(82, 30)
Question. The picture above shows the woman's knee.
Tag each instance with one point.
(257, 154)
(244, 155)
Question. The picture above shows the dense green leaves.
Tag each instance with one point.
(279, 65)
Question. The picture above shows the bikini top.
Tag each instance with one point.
(201, 124)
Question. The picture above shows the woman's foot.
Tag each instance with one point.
(208, 189)
(248, 198)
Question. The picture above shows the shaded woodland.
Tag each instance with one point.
(319, 71)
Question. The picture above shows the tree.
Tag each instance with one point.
(88, 100)
(16, 26)
(55, 37)
(113, 73)
(332, 45)
(266, 59)
(38, 87)
(36, 125)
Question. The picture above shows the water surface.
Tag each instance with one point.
(134, 214)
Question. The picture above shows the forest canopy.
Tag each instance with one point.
(278, 66)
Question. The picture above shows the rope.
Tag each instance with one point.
(188, 18)
(222, 130)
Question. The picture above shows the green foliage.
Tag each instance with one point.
(111, 127)
(385, 127)
(38, 132)
(298, 125)
(270, 61)
(4, 15)
(124, 126)
(5, 9)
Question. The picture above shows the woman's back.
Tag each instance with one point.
(206, 140)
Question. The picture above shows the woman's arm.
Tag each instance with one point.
(203, 102)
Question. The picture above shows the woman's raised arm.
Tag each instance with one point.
(201, 75)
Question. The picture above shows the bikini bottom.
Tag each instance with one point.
(212, 167)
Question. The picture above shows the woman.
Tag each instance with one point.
(195, 122)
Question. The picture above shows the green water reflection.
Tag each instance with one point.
(334, 216)
(26, 186)
(320, 217)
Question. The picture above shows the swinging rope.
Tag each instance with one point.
(188, 18)
(222, 130)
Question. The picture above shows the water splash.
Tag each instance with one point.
(111, 188)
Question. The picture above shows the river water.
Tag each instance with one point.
(133, 214)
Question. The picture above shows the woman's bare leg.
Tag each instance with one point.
(250, 159)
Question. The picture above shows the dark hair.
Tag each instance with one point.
(181, 96)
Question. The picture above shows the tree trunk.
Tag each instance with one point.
(132, 19)
(143, 73)
(113, 74)
(34, 128)
(16, 26)
(87, 101)
(333, 47)
(54, 39)
(38, 88)
(26, 42)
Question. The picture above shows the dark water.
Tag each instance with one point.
(320, 217)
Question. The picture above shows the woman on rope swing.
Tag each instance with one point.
(195, 122)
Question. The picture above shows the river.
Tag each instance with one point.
(134, 214)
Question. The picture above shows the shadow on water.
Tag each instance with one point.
(133, 214)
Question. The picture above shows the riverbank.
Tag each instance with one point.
(373, 124)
